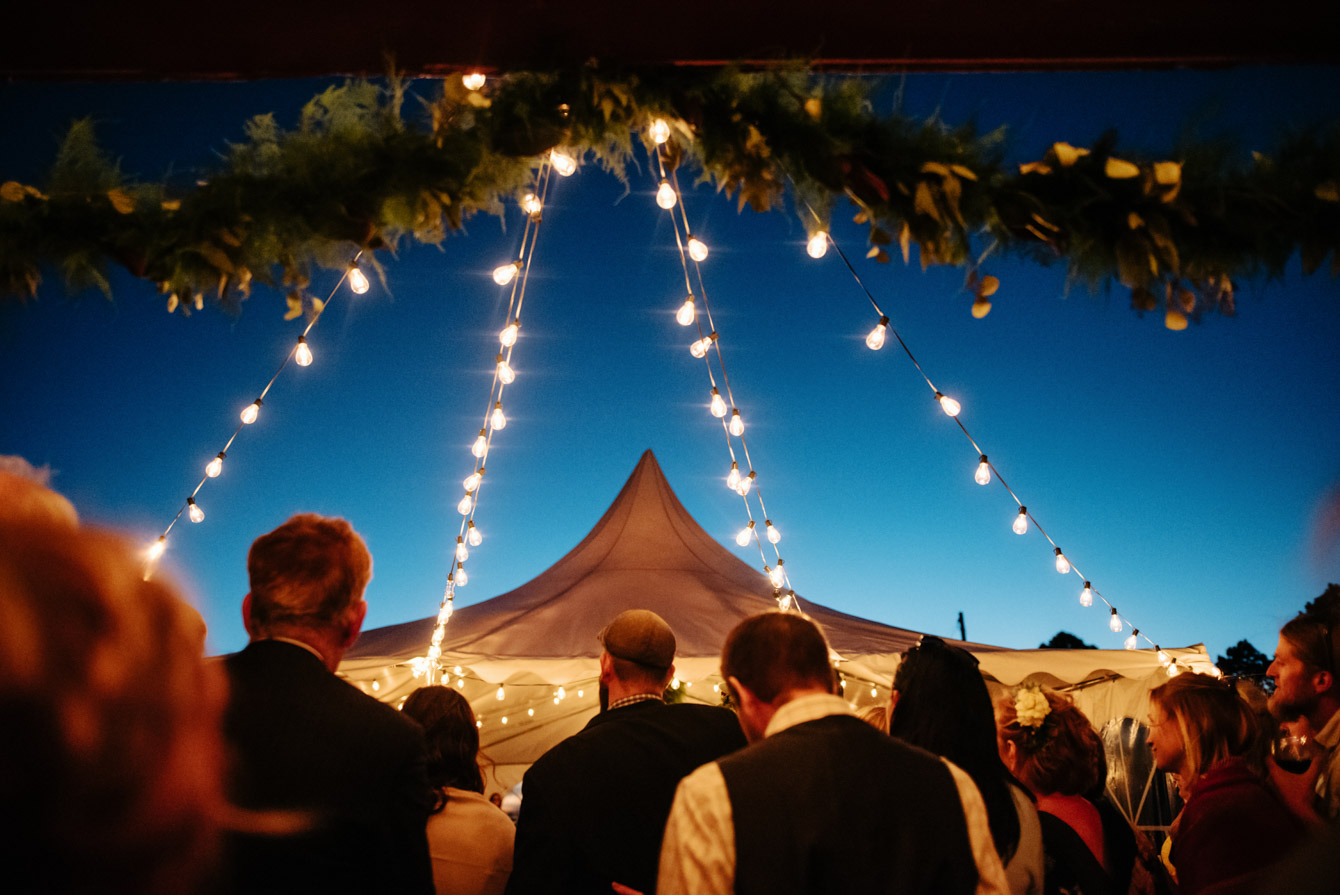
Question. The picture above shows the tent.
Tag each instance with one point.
(528, 659)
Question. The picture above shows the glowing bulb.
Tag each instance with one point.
(481, 445)
(509, 332)
(445, 613)
(460, 683)
(531, 204)
(745, 534)
(500, 695)
(506, 375)
(746, 483)
(818, 244)
(699, 348)
(948, 405)
(773, 534)
(733, 477)
(874, 691)
(472, 481)
(875, 340)
(457, 671)
(561, 693)
(438, 634)
(1164, 658)
(215, 466)
(1115, 621)
(472, 535)
(983, 474)
(358, 281)
(563, 163)
(156, 549)
(785, 603)
(777, 576)
(530, 713)
(193, 509)
(736, 424)
(581, 693)
(303, 354)
(717, 405)
(1062, 564)
(1021, 521)
(697, 249)
(474, 80)
(504, 275)
(684, 316)
(504, 719)
(462, 579)
(660, 131)
(1174, 669)
(498, 420)
(665, 196)
(434, 652)
(675, 684)
(466, 505)
(1131, 641)
(251, 411)
(1086, 595)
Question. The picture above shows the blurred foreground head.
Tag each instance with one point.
(110, 753)
(25, 494)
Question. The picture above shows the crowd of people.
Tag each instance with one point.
(135, 764)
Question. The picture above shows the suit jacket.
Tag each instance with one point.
(303, 739)
(594, 807)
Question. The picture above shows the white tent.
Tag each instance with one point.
(539, 641)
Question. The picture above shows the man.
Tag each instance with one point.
(306, 742)
(820, 801)
(1304, 670)
(593, 807)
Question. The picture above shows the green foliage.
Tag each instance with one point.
(1065, 640)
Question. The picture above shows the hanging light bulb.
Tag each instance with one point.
(745, 534)
(303, 354)
(194, 511)
(1062, 564)
(1174, 669)
(498, 420)
(1021, 521)
(472, 534)
(1114, 622)
(699, 348)
(818, 244)
(983, 474)
(561, 693)
(660, 131)
(506, 375)
(531, 204)
(563, 163)
(684, 316)
(509, 332)
(466, 504)
(438, 635)
(474, 80)
(717, 404)
(746, 483)
(1086, 595)
(1132, 642)
(462, 579)
(473, 479)
(358, 281)
(1164, 658)
(251, 411)
(697, 249)
(445, 613)
(481, 445)
(736, 424)
(785, 602)
(215, 466)
(733, 477)
(504, 274)
(500, 695)
(462, 554)
(773, 534)
(948, 405)
(665, 195)
(530, 713)
(875, 340)
(777, 575)
(155, 551)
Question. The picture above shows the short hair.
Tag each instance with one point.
(449, 726)
(1062, 756)
(307, 572)
(1314, 639)
(1215, 723)
(637, 674)
(775, 653)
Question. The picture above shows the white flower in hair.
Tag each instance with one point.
(1031, 706)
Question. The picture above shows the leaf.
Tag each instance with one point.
(963, 171)
(1119, 169)
(12, 191)
(1067, 155)
(478, 100)
(171, 204)
(934, 168)
(981, 308)
(172, 302)
(121, 200)
(1035, 168)
(294, 306)
(229, 237)
(880, 237)
(1327, 191)
(1167, 173)
(905, 241)
(882, 257)
(1187, 300)
(1134, 221)
(1133, 261)
(814, 107)
(199, 302)
(318, 306)
(215, 256)
(1142, 299)
(874, 250)
(988, 286)
(1046, 223)
(1175, 320)
(924, 201)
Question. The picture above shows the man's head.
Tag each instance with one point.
(770, 659)
(639, 653)
(308, 575)
(1304, 671)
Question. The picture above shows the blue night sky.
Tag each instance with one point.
(1182, 472)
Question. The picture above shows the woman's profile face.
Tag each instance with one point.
(1165, 740)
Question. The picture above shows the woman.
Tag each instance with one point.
(940, 703)
(469, 839)
(1233, 825)
(1050, 746)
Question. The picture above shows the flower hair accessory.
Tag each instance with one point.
(1031, 706)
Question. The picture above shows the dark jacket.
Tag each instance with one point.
(303, 739)
(594, 807)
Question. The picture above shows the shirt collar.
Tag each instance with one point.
(307, 646)
(810, 707)
(632, 700)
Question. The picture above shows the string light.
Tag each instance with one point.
(1062, 564)
(1021, 521)
(506, 375)
(481, 445)
(736, 424)
(563, 163)
(699, 348)
(1164, 659)
(776, 576)
(1174, 669)
(358, 281)
(746, 483)
(1114, 621)
(531, 204)
(474, 80)
(466, 505)
(665, 196)
(1086, 595)
(717, 405)
(875, 340)
(472, 481)
(697, 249)
(785, 602)
(303, 353)
(215, 466)
(733, 477)
(773, 534)
(251, 411)
(983, 474)
(745, 535)
(193, 509)
(462, 579)
(561, 693)
(660, 131)
(509, 333)
(948, 405)
(686, 313)
(1131, 641)
(505, 274)
(472, 534)
(818, 244)
(497, 419)
(444, 615)
(156, 549)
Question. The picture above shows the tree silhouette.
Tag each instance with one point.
(1327, 605)
(1244, 660)
(1065, 640)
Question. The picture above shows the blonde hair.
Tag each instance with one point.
(1062, 755)
(1215, 723)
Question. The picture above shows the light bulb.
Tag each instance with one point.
(736, 424)
(684, 316)
(500, 695)
(675, 683)
(717, 405)
(215, 466)
(472, 535)
(785, 602)
(194, 511)
(466, 505)
(697, 249)
(503, 275)
(746, 483)
(530, 713)
(472, 480)
(1062, 564)
(983, 474)
(563, 163)
(156, 548)
(733, 477)
(1021, 521)
(445, 613)
(818, 244)
(474, 80)
(948, 405)
(531, 204)
(1131, 641)
(773, 534)
(481, 445)
(462, 579)
(506, 375)
(251, 411)
(699, 348)
(1115, 621)
(777, 575)
(665, 195)
(561, 693)
(1086, 595)
(875, 340)
(303, 354)
(436, 640)
(497, 419)
(1164, 658)
(457, 671)
(660, 131)
(509, 332)
(1174, 669)
(462, 554)
(434, 652)
(358, 281)
(745, 534)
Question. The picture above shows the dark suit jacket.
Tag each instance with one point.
(302, 738)
(594, 807)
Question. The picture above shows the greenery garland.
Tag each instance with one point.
(357, 173)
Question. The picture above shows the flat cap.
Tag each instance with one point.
(641, 636)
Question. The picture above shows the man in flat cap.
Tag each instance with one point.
(593, 808)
